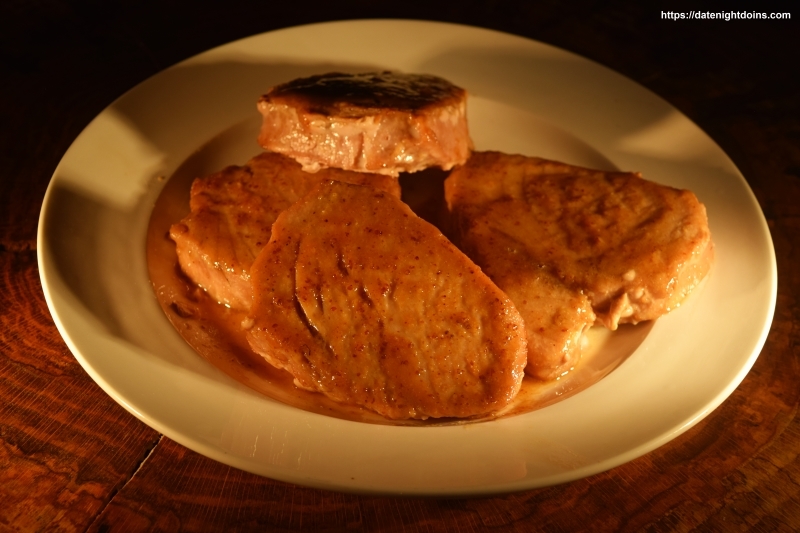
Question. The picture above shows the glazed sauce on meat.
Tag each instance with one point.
(216, 332)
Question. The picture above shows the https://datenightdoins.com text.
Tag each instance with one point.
(723, 15)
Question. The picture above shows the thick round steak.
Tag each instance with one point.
(384, 122)
(231, 217)
(360, 299)
(635, 248)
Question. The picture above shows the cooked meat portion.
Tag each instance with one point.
(360, 299)
(635, 248)
(382, 122)
(232, 212)
(555, 315)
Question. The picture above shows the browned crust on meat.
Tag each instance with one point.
(360, 95)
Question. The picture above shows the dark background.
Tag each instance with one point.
(81, 55)
(71, 459)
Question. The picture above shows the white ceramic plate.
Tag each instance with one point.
(526, 97)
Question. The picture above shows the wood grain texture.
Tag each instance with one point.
(706, 479)
(65, 446)
(73, 460)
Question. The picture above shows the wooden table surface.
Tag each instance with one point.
(71, 459)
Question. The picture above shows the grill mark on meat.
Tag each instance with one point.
(298, 307)
(305, 350)
(362, 292)
(342, 266)
(320, 300)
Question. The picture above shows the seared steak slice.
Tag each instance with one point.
(232, 212)
(635, 248)
(363, 301)
(383, 122)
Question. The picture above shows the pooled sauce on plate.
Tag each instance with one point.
(215, 332)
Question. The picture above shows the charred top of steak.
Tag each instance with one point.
(336, 92)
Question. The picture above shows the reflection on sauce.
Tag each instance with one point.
(215, 331)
